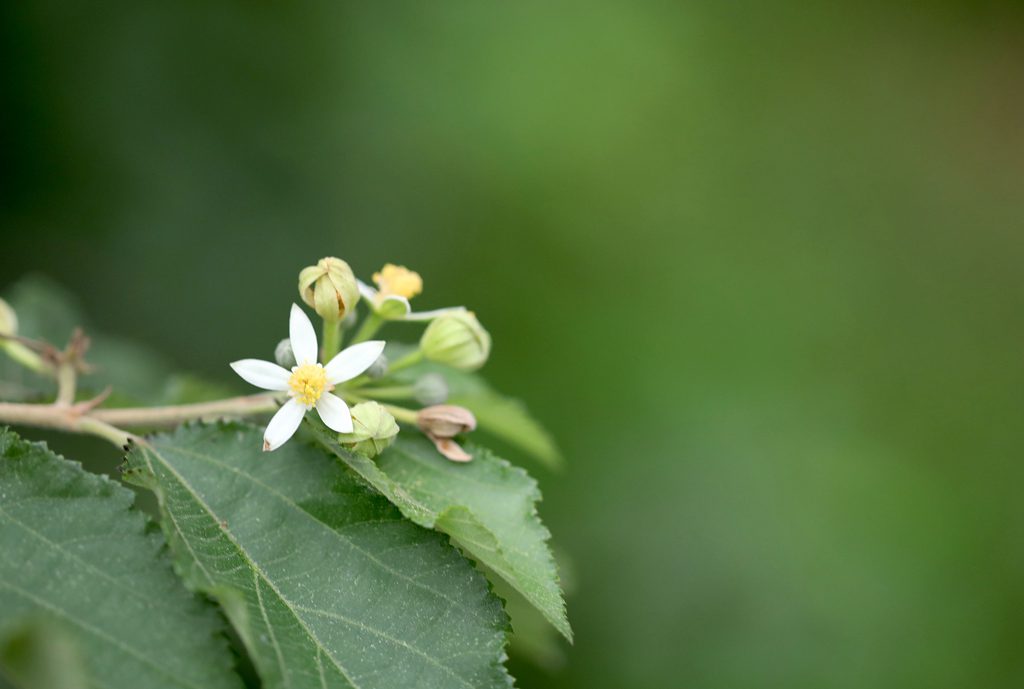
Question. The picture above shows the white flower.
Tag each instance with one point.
(309, 384)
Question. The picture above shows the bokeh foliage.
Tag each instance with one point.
(757, 265)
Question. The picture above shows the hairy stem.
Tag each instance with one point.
(66, 382)
(395, 392)
(104, 422)
(24, 356)
(412, 358)
(61, 418)
(401, 413)
(173, 415)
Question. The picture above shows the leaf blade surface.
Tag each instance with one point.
(326, 583)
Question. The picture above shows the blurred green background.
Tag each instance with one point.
(757, 265)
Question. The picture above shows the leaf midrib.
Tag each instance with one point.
(291, 606)
(332, 531)
(245, 556)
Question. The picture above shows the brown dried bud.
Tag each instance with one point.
(443, 422)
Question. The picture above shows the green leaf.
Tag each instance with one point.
(487, 505)
(73, 551)
(41, 653)
(498, 415)
(325, 582)
(533, 638)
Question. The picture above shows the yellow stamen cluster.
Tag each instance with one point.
(308, 383)
(398, 281)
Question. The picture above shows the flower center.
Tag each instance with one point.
(308, 383)
(398, 281)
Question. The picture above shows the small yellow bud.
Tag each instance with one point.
(457, 339)
(373, 429)
(398, 281)
(8, 319)
(330, 288)
(441, 423)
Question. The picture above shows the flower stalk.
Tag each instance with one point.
(369, 328)
(332, 334)
(393, 392)
(17, 349)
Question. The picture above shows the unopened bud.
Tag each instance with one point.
(441, 423)
(330, 288)
(379, 368)
(14, 349)
(283, 353)
(373, 429)
(457, 339)
(445, 420)
(8, 319)
(431, 388)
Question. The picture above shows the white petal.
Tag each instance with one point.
(283, 425)
(367, 292)
(334, 412)
(394, 308)
(352, 361)
(262, 374)
(431, 315)
(303, 337)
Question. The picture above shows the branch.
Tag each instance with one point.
(61, 418)
(82, 418)
(173, 415)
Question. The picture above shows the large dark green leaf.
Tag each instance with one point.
(326, 583)
(72, 551)
(488, 506)
(41, 653)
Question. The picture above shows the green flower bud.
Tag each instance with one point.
(431, 388)
(457, 339)
(283, 354)
(373, 429)
(14, 349)
(330, 288)
(378, 369)
(8, 319)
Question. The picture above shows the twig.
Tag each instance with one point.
(173, 415)
(60, 418)
(83, 418)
